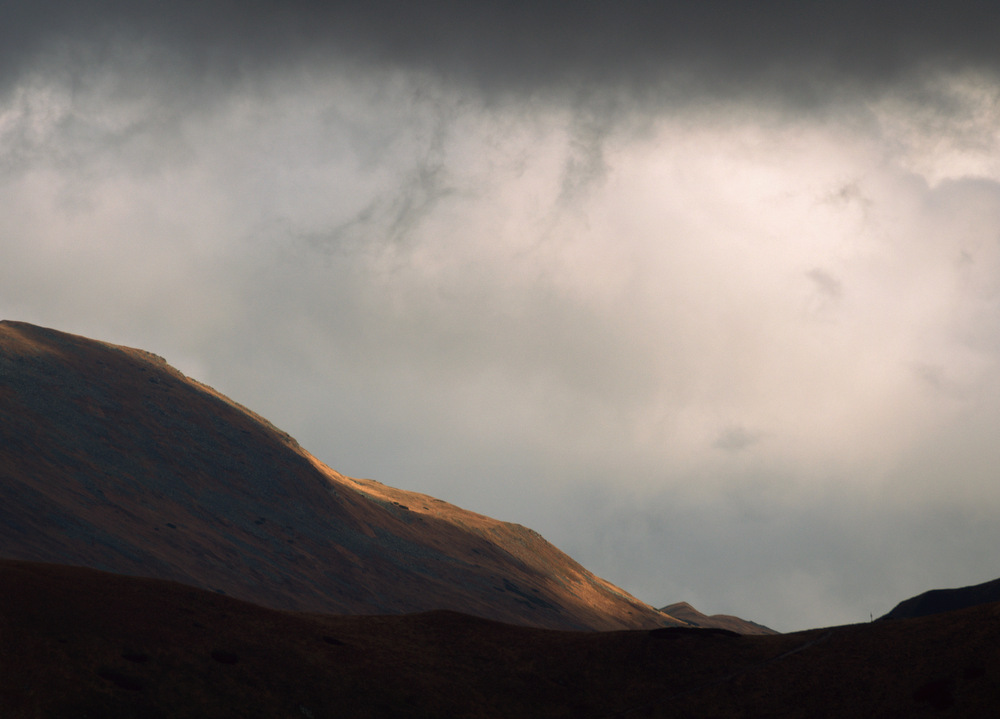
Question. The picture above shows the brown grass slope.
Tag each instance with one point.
(81, 643)
(112, 459)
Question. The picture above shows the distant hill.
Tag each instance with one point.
(112, 459)
(82, 643)
(936, 601)
(686, 613)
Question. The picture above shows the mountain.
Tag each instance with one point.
(686, 613)
(82, 643)
(112, 459)
(936, 601)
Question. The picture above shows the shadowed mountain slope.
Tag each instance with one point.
(82, 643)
(945, 600)
(112, 459)
(686, 613)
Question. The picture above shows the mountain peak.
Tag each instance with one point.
(686, 613)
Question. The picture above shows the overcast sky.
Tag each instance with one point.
(706, 293)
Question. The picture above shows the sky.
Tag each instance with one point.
(708, 293)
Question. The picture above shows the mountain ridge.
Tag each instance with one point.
(113, 459)
(937, 601)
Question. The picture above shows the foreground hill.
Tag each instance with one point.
(945, 600)
(112, 459)
(81, 643)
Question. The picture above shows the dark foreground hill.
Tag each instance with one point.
(81, 643)
(945, 600)
(110, 458)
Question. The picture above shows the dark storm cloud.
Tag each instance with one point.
(792, 48)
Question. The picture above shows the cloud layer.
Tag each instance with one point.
(525, 46)
(708, 300)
